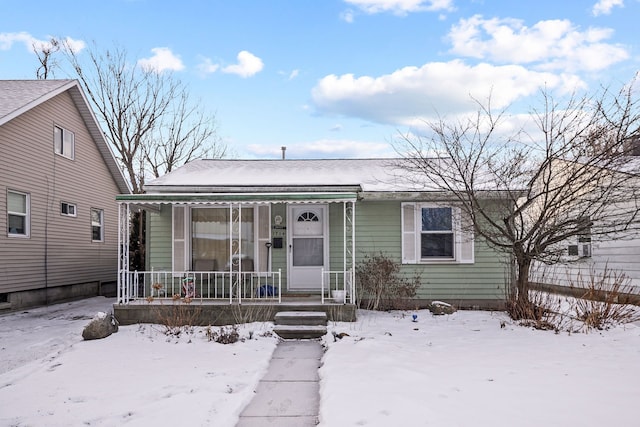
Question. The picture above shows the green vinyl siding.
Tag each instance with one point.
(159, 250)
(378, 229)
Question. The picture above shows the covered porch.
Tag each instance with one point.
(240, 249)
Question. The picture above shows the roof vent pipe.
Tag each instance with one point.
(284, 149)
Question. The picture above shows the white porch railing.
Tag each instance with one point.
(231, 286)
(339, 286)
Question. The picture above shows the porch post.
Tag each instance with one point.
(124, 223)
(235, 248)
(350, 247)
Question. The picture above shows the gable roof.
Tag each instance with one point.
(214, 175)
(20, 96)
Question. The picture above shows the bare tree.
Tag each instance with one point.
(46, 54)
(183, 135)
(527, 193)
(147, 115)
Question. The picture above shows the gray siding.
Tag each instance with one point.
(59, 250)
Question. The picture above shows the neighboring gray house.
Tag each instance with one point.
(592, 256)
(246, 230)
(58, 183)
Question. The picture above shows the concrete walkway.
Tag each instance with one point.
(289, 394)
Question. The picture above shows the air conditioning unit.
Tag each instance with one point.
(582, 250)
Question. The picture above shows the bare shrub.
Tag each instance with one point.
(381, 286)
(224, 335)
(544, 311)
(179, 318)
(248, 313)
(599, 300)
(603, 302)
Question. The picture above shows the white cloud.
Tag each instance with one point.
(324, 149)
(74, 45)
(603, 7)
(347, 16)
(162, 59)
(247, 66)
(207, 66)
(400, 7)
(548, 45)
(413, 93)
(8, 39)
(294, 74)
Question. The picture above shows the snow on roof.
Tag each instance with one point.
(363, 174)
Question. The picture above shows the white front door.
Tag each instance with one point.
(308, 248)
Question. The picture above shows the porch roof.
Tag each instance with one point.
(224, 198)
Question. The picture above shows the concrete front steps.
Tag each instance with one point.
(300, 324)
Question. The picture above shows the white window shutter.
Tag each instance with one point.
(465, 237)
(179, 241)
(409, 232)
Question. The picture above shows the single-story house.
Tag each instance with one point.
(241, 231)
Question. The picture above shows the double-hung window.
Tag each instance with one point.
(435, 234)
(97, 225)
(18, 214)
(63, 142)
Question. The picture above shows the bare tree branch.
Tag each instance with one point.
(147, 115)
(527, 194)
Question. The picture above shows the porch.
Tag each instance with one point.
(275, 248)
(219, 313)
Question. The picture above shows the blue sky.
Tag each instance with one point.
(342, 78)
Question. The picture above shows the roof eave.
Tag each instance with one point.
(197, 189)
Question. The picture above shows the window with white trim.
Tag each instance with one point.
(67, 209)
(436, 233)
(18, 214)
(63, 142)
(433, 233)
(97, 225)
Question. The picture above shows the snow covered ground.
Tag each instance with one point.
(458, 370)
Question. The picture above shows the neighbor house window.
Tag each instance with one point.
(435, 233)
(18, 213)
(64, 142)
(97, 225)
(67, 209)
(583, 248)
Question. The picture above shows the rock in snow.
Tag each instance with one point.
(439, 307)
(101, 326)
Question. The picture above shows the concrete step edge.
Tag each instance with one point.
(301, 314)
